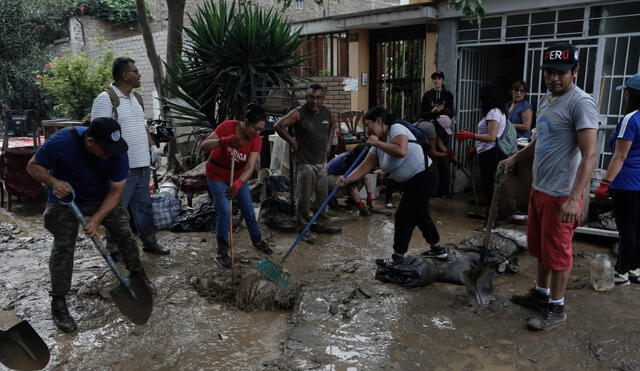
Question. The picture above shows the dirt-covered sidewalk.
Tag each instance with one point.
(342, 318)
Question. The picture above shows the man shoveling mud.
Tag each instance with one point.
(93, 162)
(314, 126)
(564, 155)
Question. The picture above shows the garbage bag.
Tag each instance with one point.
(201, 220)
(415, 271)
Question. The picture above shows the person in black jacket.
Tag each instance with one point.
(437, 101)
(437, 107)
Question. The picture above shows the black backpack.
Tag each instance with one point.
(421, 139)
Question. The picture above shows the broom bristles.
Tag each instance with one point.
(271, 271)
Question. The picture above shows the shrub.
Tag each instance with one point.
(73, 82)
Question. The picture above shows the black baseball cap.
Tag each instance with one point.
(106, 132)
(437, 74)
(561, 56)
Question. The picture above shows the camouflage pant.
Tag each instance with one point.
(60, 221)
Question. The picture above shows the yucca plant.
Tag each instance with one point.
(229, 52)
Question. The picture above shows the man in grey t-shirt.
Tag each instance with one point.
(564, 155)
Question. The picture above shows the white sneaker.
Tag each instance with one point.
(621, 279)
(634, 275)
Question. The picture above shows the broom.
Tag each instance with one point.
(272, 270)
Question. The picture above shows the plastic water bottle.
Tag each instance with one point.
(602, 273)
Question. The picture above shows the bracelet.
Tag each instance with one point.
(606, 181)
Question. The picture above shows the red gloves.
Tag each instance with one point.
(232, 192)
(450, 153)
(230, 140)
(602, 193)
(369, 198)
(461, 136)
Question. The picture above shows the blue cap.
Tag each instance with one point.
(632, 83)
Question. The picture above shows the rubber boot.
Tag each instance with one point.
(143, 276)
(151, 245)
(223, 256)
(61, 316)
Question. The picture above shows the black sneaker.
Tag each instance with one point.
(156, 248)
(141, 275)
(224, 260)
(322, 229)
(117, 257)
(634, 275)
(308, 238)
(534, 299)
(61, 316)
(437, 252)
(393, 260)
(553, 316)
(364, 212)
(262, 246)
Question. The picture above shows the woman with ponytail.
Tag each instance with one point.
(394, 149)
(237, 141)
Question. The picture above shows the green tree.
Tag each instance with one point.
(27, 28)
(230, 51)
(73, 82)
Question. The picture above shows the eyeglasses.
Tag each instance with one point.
(134, 71)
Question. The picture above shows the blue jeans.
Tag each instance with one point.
(136, 195)
(219, 189)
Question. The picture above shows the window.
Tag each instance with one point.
(328, 55)
(299, 4)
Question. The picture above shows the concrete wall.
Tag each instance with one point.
(447, 54)
(358, 65)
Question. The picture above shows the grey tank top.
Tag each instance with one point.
(312, 134)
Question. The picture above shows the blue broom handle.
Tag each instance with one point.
(325, 203)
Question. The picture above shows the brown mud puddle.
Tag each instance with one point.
(342, 318)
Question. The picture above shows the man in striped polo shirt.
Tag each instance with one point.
(124, 106)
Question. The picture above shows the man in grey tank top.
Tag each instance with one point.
(564, 155)
(313, 127)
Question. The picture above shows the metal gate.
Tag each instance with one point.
(605, 34)
(397, 81)
(473, 72)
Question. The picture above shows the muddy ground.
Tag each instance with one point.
(343, 318)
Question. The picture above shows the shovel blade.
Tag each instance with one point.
(21, 348)
(137, 308)
(479, 286)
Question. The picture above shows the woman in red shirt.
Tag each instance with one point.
(241, 139)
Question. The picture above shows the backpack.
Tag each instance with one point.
(421, 138)
(115, 101)
(508, 142)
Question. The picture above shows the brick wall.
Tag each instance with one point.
(337, 100)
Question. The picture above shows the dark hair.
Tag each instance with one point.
(633, 103)
(491, 97)
(379, 111)
(120, 66)
(353, 155)
(316, 86)
(255, 113)
(520, 84)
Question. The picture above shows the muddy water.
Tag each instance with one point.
(343, 320)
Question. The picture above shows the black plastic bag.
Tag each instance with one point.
(414, 272)
(201, 220)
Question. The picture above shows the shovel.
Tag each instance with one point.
(133, 296)
(477, 280)
(21, 348)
